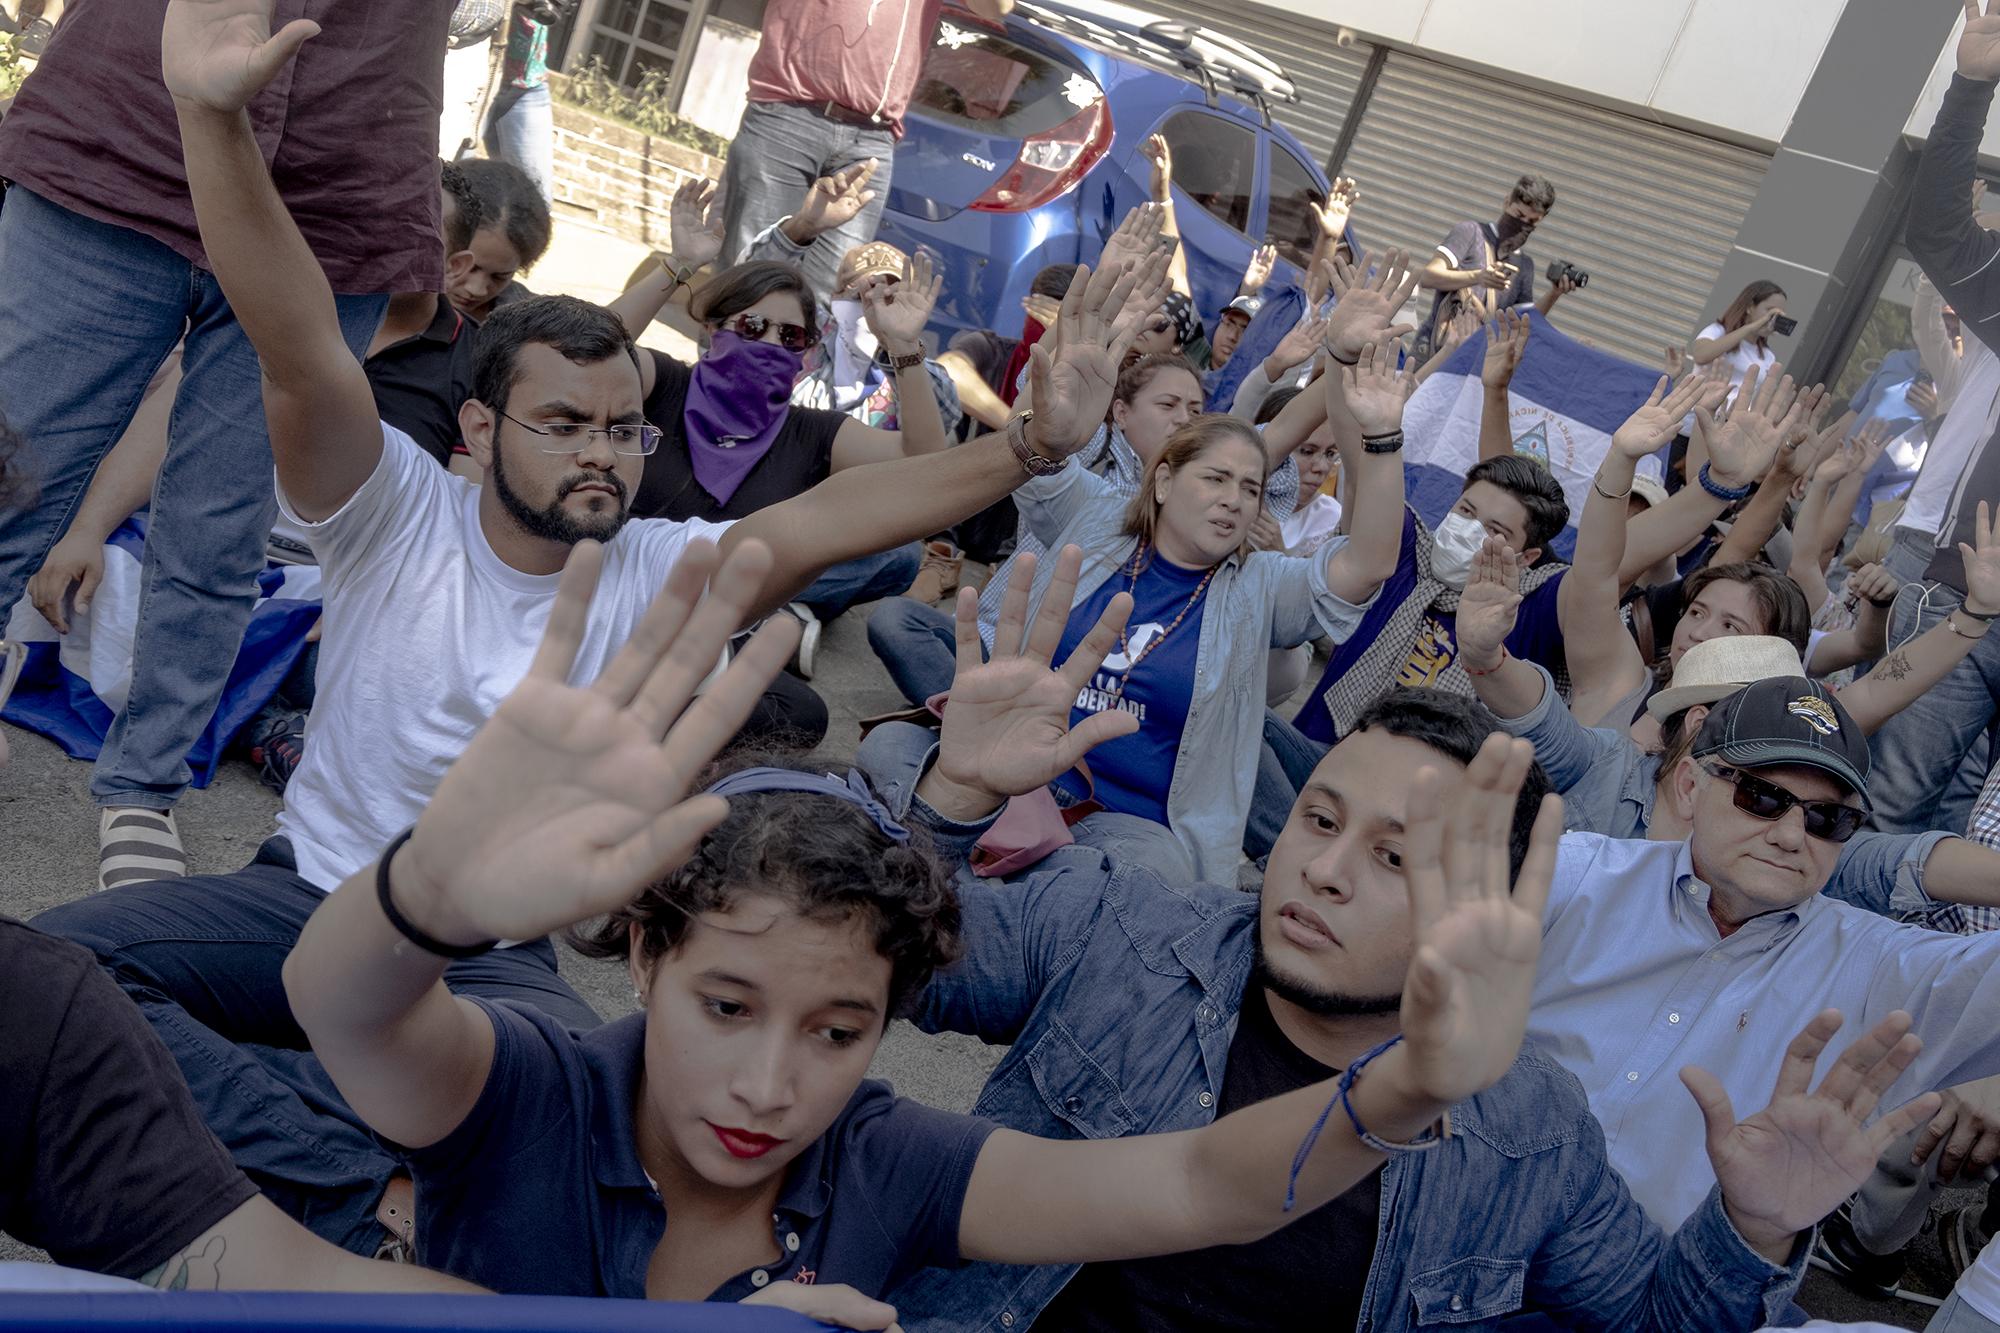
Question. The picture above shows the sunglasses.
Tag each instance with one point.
(1827, 820)
(13, 656)
(791, 337)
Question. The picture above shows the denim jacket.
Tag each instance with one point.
(1119, 995)
(1608, 782)
(1255, 603)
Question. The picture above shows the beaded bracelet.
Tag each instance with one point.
(403, 925)
(1718, 490)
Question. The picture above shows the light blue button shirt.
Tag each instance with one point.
(1636, 982)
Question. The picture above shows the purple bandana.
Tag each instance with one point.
(736, 401)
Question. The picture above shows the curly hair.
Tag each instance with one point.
(824, 855)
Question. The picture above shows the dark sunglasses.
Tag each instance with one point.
(791, 337)
(1828, 820)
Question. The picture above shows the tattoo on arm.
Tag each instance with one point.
(196, 1268)
(1896, 666)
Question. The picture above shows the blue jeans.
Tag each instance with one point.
(1921, 778)
(778, 152)
(107, 306)
(868, 578)
(203, 958)
(1283, 766)
(918, 644)
(521, 128)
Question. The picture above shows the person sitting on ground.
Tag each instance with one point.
(513, 234)
(442, 588)
(1224, 999)
(723, 1144)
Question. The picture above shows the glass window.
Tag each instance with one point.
(979, 79)
(621, 15)
(662, 25)
(1295, 197)
(1215, 164)
(610, 50)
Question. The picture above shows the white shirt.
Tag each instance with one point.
(426, 630)
(1967, 426)
(1741, 357)
(1636, 982)
(1308, 527)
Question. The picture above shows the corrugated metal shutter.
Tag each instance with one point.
(1648, 211)
(1326, 75)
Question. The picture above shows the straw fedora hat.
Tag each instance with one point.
(1717, 668)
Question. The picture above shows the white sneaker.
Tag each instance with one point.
(136, 845)
(802, 660)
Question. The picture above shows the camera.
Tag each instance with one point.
(1784, 326)
(1562, 268)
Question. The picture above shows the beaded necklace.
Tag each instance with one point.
(1125, 644)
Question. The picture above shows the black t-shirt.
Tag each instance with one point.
(104, 1161)
(421, 382)
(799, 459)
(1309, 1275)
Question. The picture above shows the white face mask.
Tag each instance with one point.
(1454, 544)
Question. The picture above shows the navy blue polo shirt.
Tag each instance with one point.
(540, 1190)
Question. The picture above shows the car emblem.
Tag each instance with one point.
(1817, 712)
(979, 162)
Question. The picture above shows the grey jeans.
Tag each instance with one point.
(778, 152)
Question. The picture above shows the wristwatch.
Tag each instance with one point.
(1036, 465)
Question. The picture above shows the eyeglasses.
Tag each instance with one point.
(1829, 820)
(634, 440)
(791, 337)
(13, 656)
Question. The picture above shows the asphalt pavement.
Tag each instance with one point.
(48, 855)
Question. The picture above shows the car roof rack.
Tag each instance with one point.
(1213, 57)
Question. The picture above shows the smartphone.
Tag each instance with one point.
(1784, 326)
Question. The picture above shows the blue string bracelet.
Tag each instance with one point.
(1348, 1079)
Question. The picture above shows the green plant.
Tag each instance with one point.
(12, 70)
(643, 107)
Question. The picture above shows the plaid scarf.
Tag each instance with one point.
(1350, 693)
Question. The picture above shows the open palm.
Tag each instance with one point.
(1979, 44)
(1490, 604)
(1659, 418)
(220, 53)
(573, 798)
(898, 311)
(1766, 410)
(1007, 730)
(1073, 383)
(1465, 999)
(694, 223)
(1367, 305)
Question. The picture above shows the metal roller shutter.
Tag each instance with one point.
(1327, 75)
(1648, 211)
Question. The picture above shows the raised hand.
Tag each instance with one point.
(1257, 272)
(1979, 44)
(1786, 1167)
(1982, 566)
(694, 223)
(219, 54)
(1072, 382)
(1808, 442)
(1658, 419)
(573, 797)
(1299, 344)
(1458, 330)
(1339, 206)
(1874, 585)
(1375, 390)
(1137, 237)
(898, 311)
(1506, 341)
(834, 200)
(1742, 447)
(1465, 998)
(1158, 152)
(1490, 604)
(1006, 730)
(1368, 302)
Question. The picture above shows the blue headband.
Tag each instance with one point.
(854, 790)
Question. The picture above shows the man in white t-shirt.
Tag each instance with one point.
(436, 594)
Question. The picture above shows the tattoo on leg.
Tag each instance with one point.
(1896, 666)
(196, 1268)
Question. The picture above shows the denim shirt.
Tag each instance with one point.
(1255, 603)
(1608, 783)
(1119, 995)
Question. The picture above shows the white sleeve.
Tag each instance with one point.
(406, 488)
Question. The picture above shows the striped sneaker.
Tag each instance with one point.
(135, 845)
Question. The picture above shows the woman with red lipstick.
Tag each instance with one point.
(722, 1144)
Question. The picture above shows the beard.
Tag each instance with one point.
(1316, 1000)
(552, 522)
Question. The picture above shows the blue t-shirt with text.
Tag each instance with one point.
(1134, 772)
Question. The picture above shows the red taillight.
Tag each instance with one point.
(1051, 162)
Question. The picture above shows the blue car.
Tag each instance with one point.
(1023, 148)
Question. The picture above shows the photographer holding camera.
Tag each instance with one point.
(1741, 339)
(1480, 267)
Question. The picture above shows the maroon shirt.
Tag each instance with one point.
(349, 130)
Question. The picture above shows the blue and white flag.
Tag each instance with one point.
(75, 683)
(1564, 404)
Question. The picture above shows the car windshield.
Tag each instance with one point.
(983, 80)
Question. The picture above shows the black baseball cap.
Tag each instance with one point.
(1787, 720)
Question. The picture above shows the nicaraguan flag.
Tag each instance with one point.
(74, 684)
(1565, 402)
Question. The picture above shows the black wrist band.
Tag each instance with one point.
(1987, 617)
(1338, 359)
(402, 923)
(1382, 444)
(1882, 604)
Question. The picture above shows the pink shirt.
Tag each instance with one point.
(863, 54)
